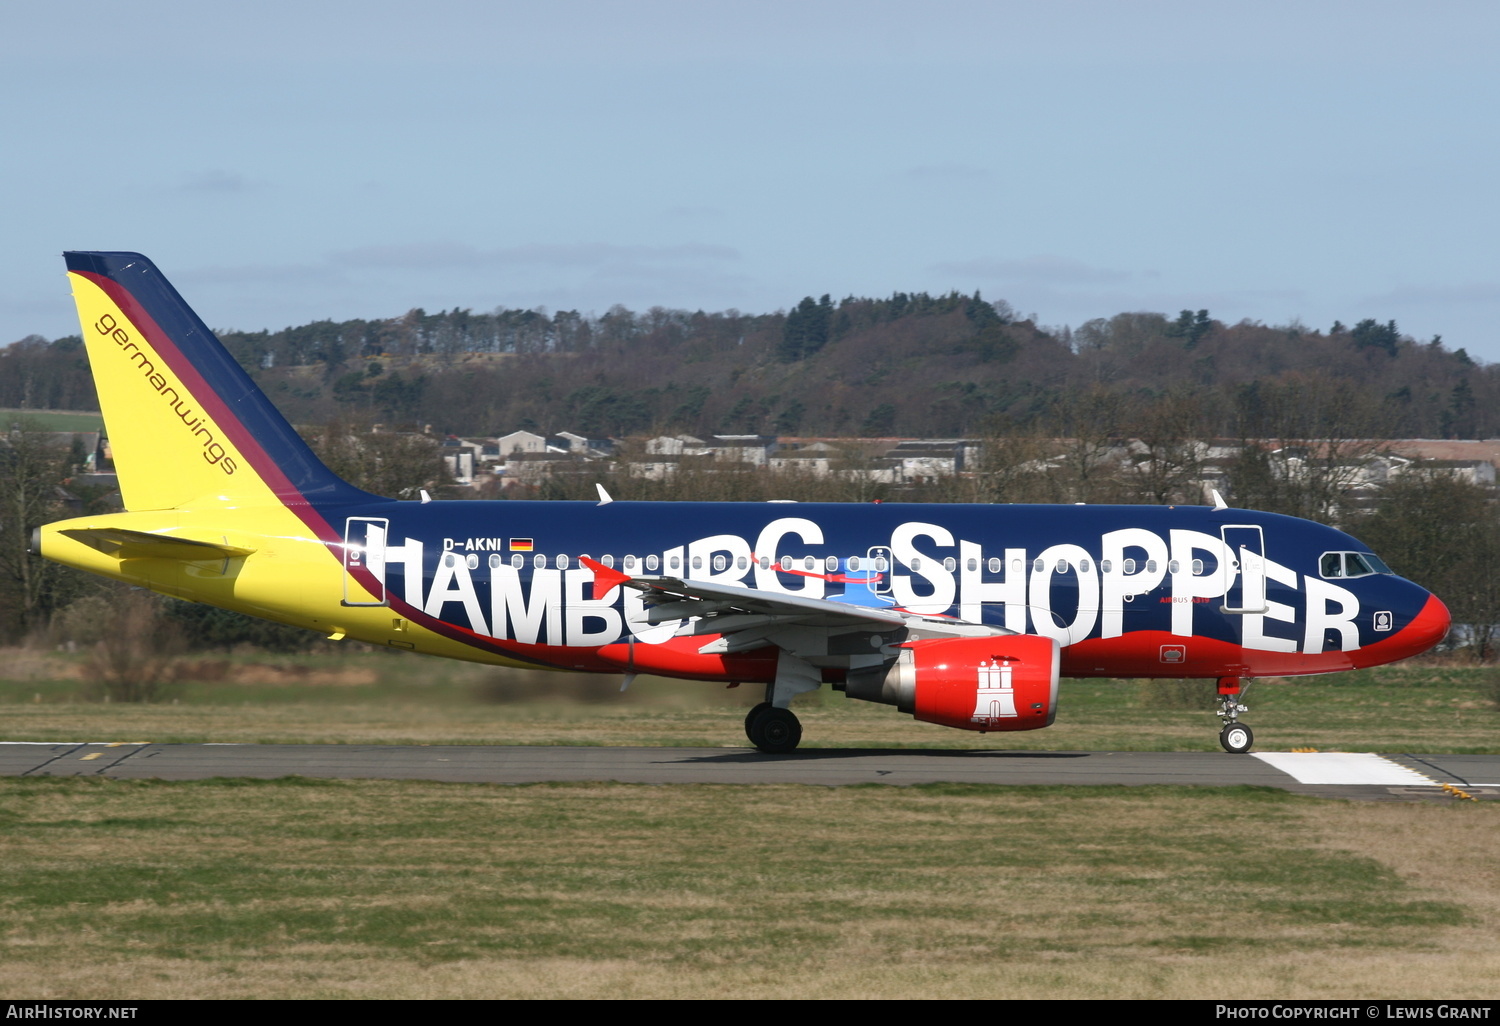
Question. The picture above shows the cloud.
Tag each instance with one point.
(1057, 270)
(216, 180)
(429, 256)
(1418, 295)
(261, 274)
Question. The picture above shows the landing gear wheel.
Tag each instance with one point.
(753, 715)
(1236, 738)
(775, 731)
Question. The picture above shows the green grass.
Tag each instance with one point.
(56, 420)
(410, 889)
(339, 696)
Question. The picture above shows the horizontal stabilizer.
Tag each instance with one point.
(123, 544)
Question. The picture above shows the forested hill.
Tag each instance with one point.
(913, 365)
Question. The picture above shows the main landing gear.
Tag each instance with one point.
(1236, 737)
(771, 726)
(772, 730)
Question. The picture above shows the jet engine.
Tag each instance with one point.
(1005, 682)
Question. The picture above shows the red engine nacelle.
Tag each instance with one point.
(1007, 682)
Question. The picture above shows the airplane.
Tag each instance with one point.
(960, 615)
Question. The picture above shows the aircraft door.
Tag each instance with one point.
(879, 562)
(1245, 575)
(364, 549)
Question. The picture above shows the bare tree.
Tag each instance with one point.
(135, 647)
(33, 465)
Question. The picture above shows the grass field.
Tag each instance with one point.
(398, 889)
(56, 420)
(386, 698)
(386, 889)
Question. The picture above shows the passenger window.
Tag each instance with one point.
(1062, 566)
(809, 563)
(539, 561)
(880, 563)
(742, 563)
(950, 564)
(562, 562)
(1173, 566)
(786, 562)
(765, 562)
(1332, 564)
(972, 564)
(1015, 565)
(720, 562)
(853, 562)
(472, 561)
(1197, 568)
(676, 563)
(1106, 565)
(494, 562)
(697, 562)
(1039, 566)
(916, 563)
(1128, 566)
(1150, 566)
(518, 561)
(1083, 566)
(995, 565)
(448, 559)
(607, 560)
(831, 563)
(629, 562)
(652, 562)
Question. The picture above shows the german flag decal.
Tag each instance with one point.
(520, 545)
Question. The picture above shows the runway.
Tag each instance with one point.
(1340, 775)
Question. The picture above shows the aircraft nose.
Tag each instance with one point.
(1427, 628)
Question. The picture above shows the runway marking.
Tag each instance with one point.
(1343, 768)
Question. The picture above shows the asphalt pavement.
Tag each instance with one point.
(1391, 777)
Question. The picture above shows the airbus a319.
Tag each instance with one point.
(960, 615)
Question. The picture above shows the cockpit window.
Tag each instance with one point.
(1351, 564)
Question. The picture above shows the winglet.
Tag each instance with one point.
(604, 497)
(605, 578)
(1219, 502)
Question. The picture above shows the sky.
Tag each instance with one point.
(284, 162)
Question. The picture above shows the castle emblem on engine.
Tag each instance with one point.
(994, 698)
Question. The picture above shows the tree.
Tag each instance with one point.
(389, 463)
(1304, 445)
(806, 329)
(33, 464)
(1166, 459)
(1368, 334)
(132, 658)
(1442, 532)
(1190, 326)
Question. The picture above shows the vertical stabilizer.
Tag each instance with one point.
(185, 421)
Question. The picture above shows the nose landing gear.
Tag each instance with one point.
(1236, 737)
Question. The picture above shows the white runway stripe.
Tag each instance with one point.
(1342, 768)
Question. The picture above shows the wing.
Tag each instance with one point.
(747, 618)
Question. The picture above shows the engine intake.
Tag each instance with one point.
(1006, 682)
